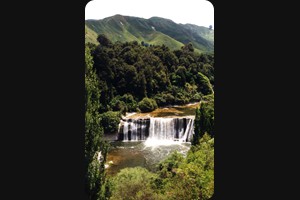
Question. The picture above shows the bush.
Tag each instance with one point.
(131, 104)
(204, 120)
(196, 97)
(204, 86)
(110, 121)
(181, 97)
(209, 97)
(147, 105)
(163, 99)
(116, 104)
(160, 100)
(166, 166)
(134, 183)
(125, 103)
(191, 177)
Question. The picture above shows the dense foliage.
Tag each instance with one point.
(94, 143)
(177, 177)
(110, 121)
(156, 72)
(204, 119)
(134, 183)
(147, 105)
(125, 103)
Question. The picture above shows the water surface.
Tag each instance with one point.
(141, 153)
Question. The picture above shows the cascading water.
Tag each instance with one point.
(157, 129)
(134, 129)
(147, 141)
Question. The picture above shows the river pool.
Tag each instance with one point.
(141, 153)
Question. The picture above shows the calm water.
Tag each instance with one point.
(148, 155)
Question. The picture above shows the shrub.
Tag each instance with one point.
(110, 121)
(196, 97)
(209, 97)
(164, 99)
(160, 100)
(131, 104)
(125, 103)
(147, 105)
(116, 104)
(204, 86)
(134, 183)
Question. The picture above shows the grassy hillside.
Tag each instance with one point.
(90, 36)
(201, 31)
(160, 39)
(153, 31)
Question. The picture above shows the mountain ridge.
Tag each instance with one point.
(155, 30)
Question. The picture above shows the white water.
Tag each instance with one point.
(158, 130)
(136, 128)
(155, 142)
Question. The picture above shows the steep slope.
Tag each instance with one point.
(201, 31)
(155, 30)
(181, 33)
(91, 36)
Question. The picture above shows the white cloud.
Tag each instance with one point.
(199, 12)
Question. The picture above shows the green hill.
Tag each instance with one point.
(90, 36)
(153, 31)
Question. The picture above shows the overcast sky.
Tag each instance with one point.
(199, 12)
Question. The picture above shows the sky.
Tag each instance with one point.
(198, 12)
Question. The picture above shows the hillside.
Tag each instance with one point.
(91, 36)
(155, 31)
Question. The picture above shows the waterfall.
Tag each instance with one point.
(155, 128)
(188, 132)
(134, 129)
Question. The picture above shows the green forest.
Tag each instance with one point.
(125, 77)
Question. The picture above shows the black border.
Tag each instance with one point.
(42, 138)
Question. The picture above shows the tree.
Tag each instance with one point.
(147, 105)
(156, 72)
(207, 117)
(210, 27)
(103, 40)
(204, 86)
(191, 177)
(166, 166)
(199, 166)
(188, 47)
(94, 176)
(110, 121)
(180, 76)
(130, 75)
(131, 104)
(93, 130)
(134, 184)
(204, 120)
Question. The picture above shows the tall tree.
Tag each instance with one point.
(93, 130)
(103, 40)
(204, 120)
